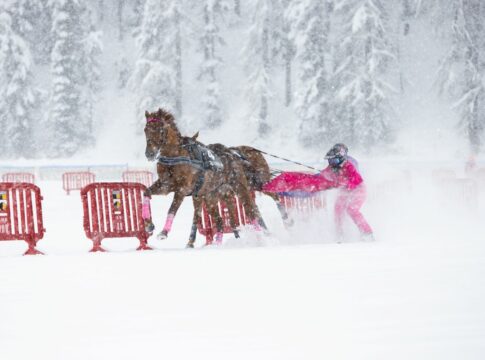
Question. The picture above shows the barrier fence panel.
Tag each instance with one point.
(461, 192)
(389, 191)
(479, 175)
(207, 226)
(113, 210)
(21, 214)
(442, 175)
(77, 180)
(19, 177)
(142, 177)
(304, 205)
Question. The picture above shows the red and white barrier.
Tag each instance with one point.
(441, 175)
(388, 191)
(142, 177)
(479, 176)
(77, 180)
(19, 177)
(21, 214)
(207, 226)
(461, 191)
(113, 210)
(304, 205)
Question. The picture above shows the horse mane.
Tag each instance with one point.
(169, 119)
(218, 148)
(165, 115)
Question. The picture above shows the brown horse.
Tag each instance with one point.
(225, 194)
(256, 169)
(181, 172)
(258, 173)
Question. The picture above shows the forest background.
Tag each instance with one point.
(400, 77)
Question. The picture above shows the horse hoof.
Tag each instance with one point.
(289, 223)
(162, 236)
(189, 246)
(149, 227)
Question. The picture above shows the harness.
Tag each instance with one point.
(179, 160)
(200, 158)
(239, 155)
(205, 156)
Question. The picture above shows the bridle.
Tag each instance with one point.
(170, 161)
(153, 120)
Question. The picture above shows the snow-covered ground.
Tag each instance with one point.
(415, 293)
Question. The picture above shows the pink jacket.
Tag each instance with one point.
(347, 177)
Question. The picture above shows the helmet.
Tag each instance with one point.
(337, 150)
(337, 155)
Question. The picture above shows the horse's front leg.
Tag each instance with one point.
(178, 198)
(146, 211)
(195, 221)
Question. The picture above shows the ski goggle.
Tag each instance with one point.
(336, 160)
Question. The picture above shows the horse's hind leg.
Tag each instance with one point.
(213, 209)
(229, 200)
(287, 221)
(251, 208)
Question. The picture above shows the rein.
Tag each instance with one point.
(288, 160)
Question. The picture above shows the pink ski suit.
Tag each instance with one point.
(351, 197)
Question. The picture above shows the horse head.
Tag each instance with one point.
(160, 130)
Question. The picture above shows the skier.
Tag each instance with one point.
(342, 173)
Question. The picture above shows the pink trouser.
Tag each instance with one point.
(351, 201)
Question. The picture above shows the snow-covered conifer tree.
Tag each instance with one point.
(33, 22)
(407, 11)
(19, 98)
(282, 48)
(288, 52)
(68, 124)
(26, 12)
(213, 13)
(136, 16)
(311, 19)
(259, 55)
(120, 5)
(462, 73)
(100, 10)
(363, 94)
(157, 78)
(237, 7)
(93, 47)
